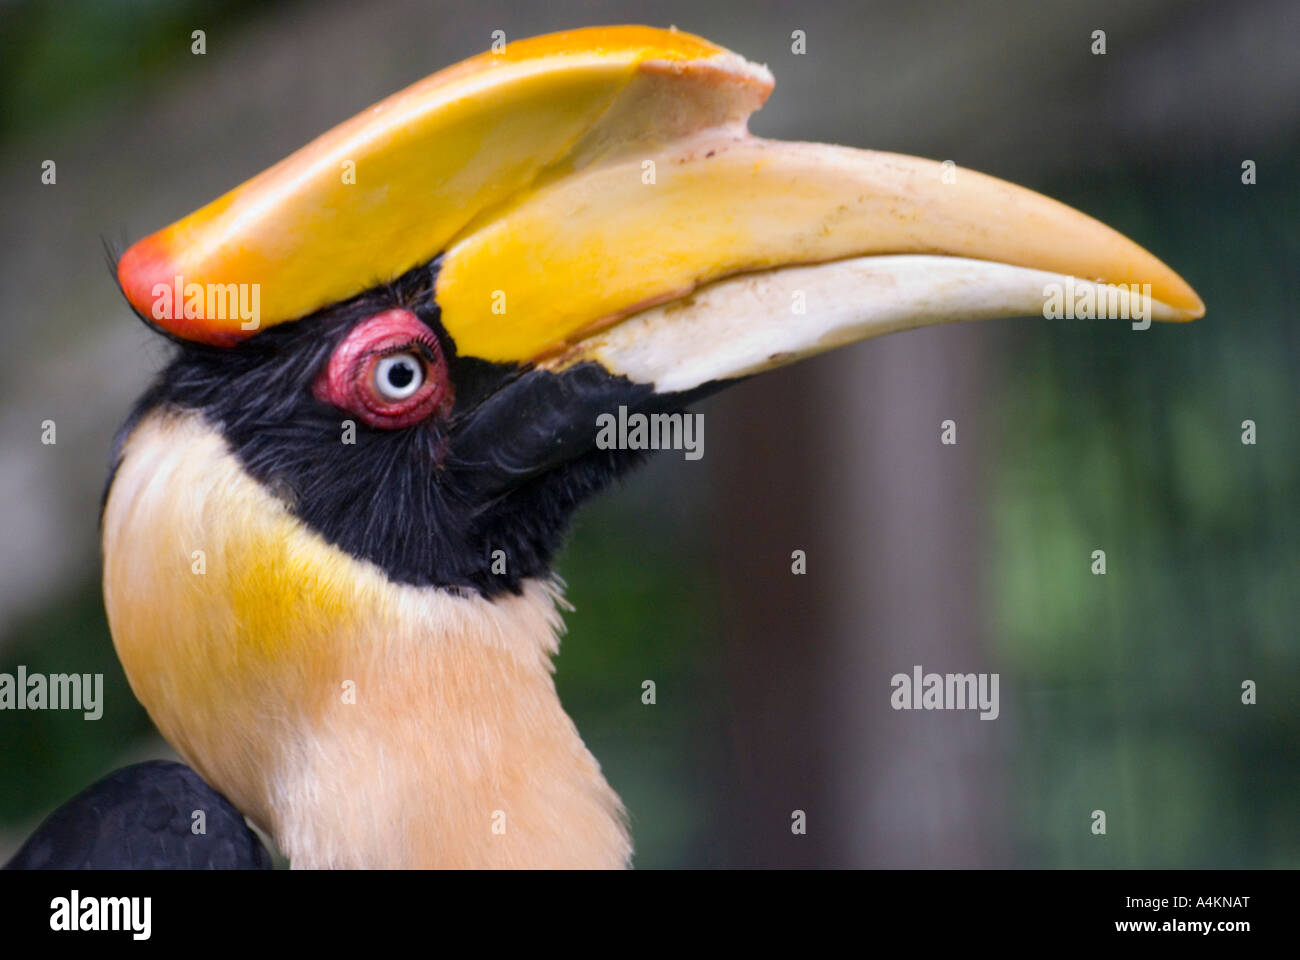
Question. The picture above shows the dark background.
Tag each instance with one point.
(1120, 693)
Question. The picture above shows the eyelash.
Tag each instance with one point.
(424, 346)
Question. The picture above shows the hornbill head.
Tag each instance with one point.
(329, 532)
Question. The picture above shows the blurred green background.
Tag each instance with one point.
(1119, 692)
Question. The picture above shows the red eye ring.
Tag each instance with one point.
(348, 382)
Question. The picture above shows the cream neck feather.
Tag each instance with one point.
(360, 722)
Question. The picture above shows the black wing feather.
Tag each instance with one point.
(142, 816)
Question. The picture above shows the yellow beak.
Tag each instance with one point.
(595, 195)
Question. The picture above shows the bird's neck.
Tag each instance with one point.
(360, 722)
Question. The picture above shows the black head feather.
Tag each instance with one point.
(430, 503)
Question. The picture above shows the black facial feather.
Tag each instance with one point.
(429, 503)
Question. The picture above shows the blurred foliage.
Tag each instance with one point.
(95, 50)
(50, 755)
(1131, 442)
(642, 612)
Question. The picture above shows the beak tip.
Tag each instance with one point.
(1189, 304)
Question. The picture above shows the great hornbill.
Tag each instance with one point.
(328, 531)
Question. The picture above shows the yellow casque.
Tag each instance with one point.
(576, 178)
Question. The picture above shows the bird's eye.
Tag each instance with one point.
(389, 371)
(399, 375)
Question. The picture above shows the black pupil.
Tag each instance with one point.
(401, 374)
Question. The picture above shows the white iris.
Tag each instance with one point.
(399, 376)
